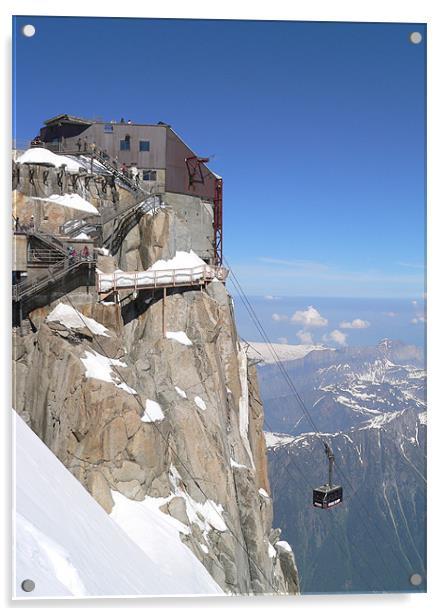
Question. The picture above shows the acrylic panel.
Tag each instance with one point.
(218, 302)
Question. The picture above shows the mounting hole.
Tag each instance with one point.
(28, 30)
(28, 585)
(415, 579)
(415, 38)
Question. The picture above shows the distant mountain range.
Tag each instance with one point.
(369, 404)
(343, 387)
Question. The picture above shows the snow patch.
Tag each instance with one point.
(153, 412)
(244, 403)
(200, 403)
(73, 319)
(180, 337)
(262, 492)
(100, 367)
(180, 392)
(71, 200)
(275, 439)
(205, 515)
(235, 464)
(42, 156)
(284, 546)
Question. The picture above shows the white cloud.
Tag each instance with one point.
(355, 324)
(271, 298)
(305, 337)
(279, 317)
(309, 317)
(283, 340)
(335, 336)
(390, 314)
(418, 319)
(414, 302)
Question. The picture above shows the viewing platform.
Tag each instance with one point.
(158, 278)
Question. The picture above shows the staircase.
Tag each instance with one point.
(50, 240)
(127, 219)
(24, 290)
(128, 182)
(73, 227)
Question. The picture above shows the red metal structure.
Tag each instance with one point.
(196, 176)
(194, 169)
(218, 221)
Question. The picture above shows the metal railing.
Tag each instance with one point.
(154, 279)
(127, 219)
(41, 256)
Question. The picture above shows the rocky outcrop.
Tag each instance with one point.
(143, 414)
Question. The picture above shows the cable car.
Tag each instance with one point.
(328, 495)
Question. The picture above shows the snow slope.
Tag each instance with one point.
(69, 546)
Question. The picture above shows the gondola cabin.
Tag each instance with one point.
(326, 496)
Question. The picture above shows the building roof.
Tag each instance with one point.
(67, 119)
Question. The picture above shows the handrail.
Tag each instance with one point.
(127, 216)
(152, 279)
(43, 255)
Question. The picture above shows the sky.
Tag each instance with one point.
(317, 128)
(332, 322)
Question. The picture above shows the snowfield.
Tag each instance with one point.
(69, 546)
(285, 352)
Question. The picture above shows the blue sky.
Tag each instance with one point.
(317, 128)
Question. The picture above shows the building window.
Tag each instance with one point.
(108, 128)
(125, 143)
(148, 175)
(144, 146)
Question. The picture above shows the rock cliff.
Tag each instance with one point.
(153, 397)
